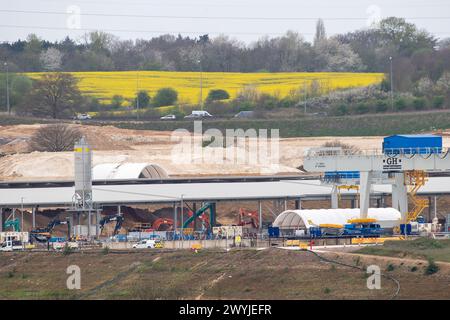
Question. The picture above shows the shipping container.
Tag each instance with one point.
(412, 144)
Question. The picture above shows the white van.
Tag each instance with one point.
(198, 114)
(10, 244)
(146, 244)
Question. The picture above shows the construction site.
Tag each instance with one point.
(340, 201)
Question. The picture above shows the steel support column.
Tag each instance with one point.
(260, 215)
(334, 197)
(33, 213)
(400, 195)
(366, 184)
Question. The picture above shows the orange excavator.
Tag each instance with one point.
(247, 217)
(162, 224)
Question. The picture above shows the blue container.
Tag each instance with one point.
(408, 229)
(274, 232)
(121, 237)
(412, 144)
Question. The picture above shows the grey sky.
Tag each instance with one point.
(15, 25)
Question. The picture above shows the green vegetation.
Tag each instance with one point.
(390, 267)
(422, 248)
(217, 94)
(431, 268)
(165, 97)
(368, 125)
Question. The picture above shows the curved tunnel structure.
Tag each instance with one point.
(112, 171)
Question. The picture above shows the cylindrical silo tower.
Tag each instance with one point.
(83, 175)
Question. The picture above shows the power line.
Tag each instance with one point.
(168, 31)
(217, 17)
(147, 31)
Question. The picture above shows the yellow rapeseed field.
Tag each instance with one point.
(104, 85)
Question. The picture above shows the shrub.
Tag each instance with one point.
(342, 110)
(144, 99)
(400, 104)
(385, 85)
(217, 108)
(165, 97)
(390, 267)
(218, 94)
(55, 138)
(381, 106)
(432, 267)
(419, 103)
(349, 148)
(67, 250)
(362, 108)
(267, 101)
(438, 102)
(116, 101)
(150, 114)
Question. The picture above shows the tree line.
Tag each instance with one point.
(362, 50)
(421, 65)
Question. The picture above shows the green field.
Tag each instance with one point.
(368, 125)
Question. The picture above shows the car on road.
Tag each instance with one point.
(198, 114)
(148, 244)
(83, 116)
(245, 114)
(169, 117)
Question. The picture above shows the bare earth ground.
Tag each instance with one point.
(111, 144)
(238, 274)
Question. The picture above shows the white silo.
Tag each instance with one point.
(83, 175)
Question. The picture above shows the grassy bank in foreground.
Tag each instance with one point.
(367, 125)
(438, 250)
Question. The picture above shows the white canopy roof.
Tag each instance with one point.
(295, 219)
(211, 191)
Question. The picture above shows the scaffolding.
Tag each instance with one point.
(415, 179)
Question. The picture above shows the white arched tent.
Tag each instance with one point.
(304, 219)
(111, 171)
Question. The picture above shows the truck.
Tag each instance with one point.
(363, 230)
(356, 228)
(11, 243)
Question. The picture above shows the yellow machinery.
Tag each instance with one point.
(360, 221)
(348, 188)
(415, 179)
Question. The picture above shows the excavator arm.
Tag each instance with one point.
(117, 218)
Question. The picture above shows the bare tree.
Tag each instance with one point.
(54, 95)
(55, 138)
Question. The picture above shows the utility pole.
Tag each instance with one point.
(21, 213)
(306, 93)
(8, 107)
(137, 94)
(201, 84)
(392, 85)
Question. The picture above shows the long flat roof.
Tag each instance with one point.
(205, 191)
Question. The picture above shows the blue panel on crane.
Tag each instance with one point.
(341, 175)
(413, 144)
